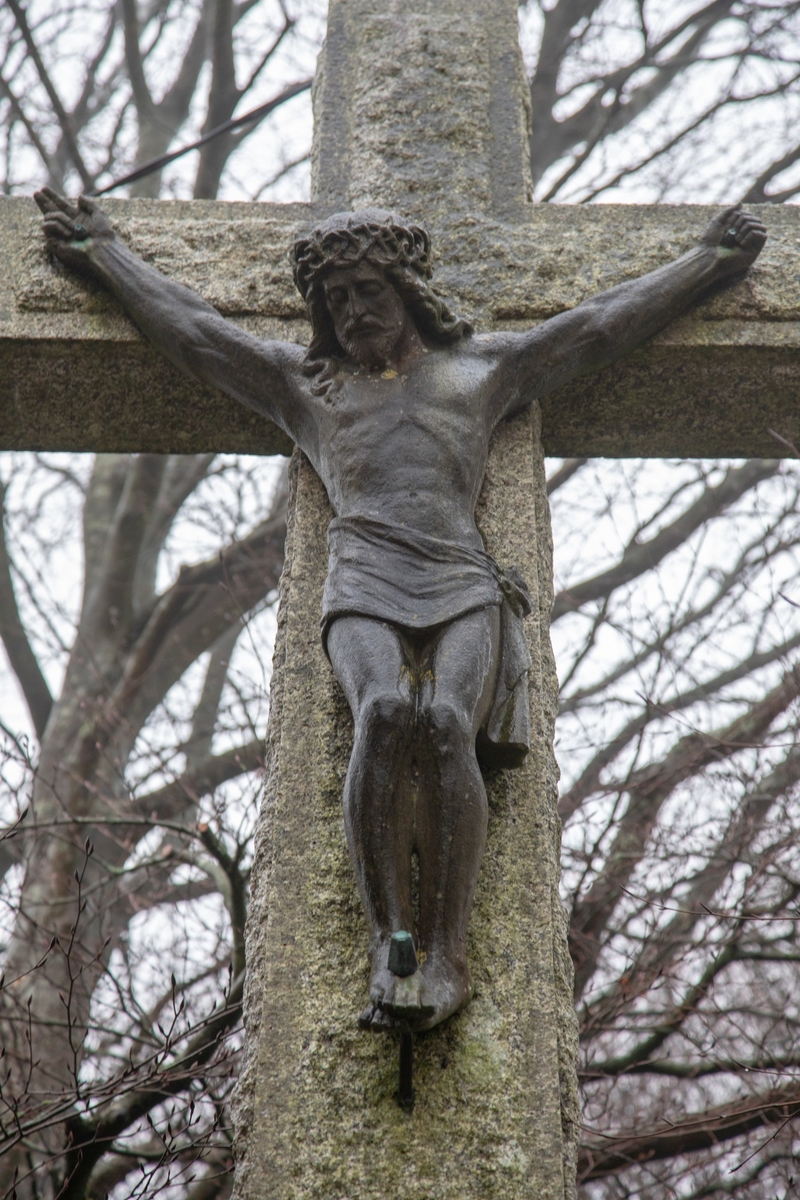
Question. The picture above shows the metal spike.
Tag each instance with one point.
(402, 955)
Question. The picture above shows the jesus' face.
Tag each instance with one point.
(368, 316)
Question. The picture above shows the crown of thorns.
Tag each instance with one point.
(383, 241)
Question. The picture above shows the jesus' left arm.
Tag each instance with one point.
(609, 325)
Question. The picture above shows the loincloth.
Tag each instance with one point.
(418, 582)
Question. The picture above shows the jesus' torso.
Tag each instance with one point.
(407, 447)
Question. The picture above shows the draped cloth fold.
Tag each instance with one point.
(417, 582)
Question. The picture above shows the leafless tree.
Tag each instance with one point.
(100, 1030)
(92, 89)
(678, 736)
(643, 100)
(130, 778)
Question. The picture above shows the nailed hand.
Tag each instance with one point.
(72, 229)
(738, 234)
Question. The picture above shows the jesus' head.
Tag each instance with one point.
(364, 276)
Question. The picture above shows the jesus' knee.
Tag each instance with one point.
(383, 718)
(447, 729)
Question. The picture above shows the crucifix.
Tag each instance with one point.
(424, 112)
(394, 402)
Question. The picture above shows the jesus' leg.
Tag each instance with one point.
(372, 664)
(413, 784)
(454, 700)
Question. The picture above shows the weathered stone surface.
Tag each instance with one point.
(423, 104)
(74, 372)
(65, 348)
(496, 1113)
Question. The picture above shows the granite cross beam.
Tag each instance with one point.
(713, 384)
(419, 106)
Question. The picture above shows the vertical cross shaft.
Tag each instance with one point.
(420, 106)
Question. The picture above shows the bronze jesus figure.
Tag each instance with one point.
(394, 403)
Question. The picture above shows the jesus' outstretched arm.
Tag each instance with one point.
(609, 325)
(178, 322)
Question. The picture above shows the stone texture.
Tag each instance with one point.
(714, 383)
(423, 103)
(496, 1113)
(66, 349)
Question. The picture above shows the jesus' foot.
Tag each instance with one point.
(394, 997)
(447, 985)
(406, 999)
(403, 1002)
(440, 988)
(375, 1020)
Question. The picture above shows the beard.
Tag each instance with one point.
(370, 348)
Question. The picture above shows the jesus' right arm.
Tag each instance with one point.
(265, 376)
(612, 323)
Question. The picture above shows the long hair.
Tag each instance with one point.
(401, 250)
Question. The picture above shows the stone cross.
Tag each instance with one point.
(419, 107)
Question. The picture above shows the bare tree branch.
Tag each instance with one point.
(52, 170)
(754, 553)
(90, 1137)
(171, 800)
(20, 655)
(698, 1131)
(568, 468)
(647, 790)
(58, 108)
(589, 779)
(640, 557)
(141, 92)
(757, 193)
